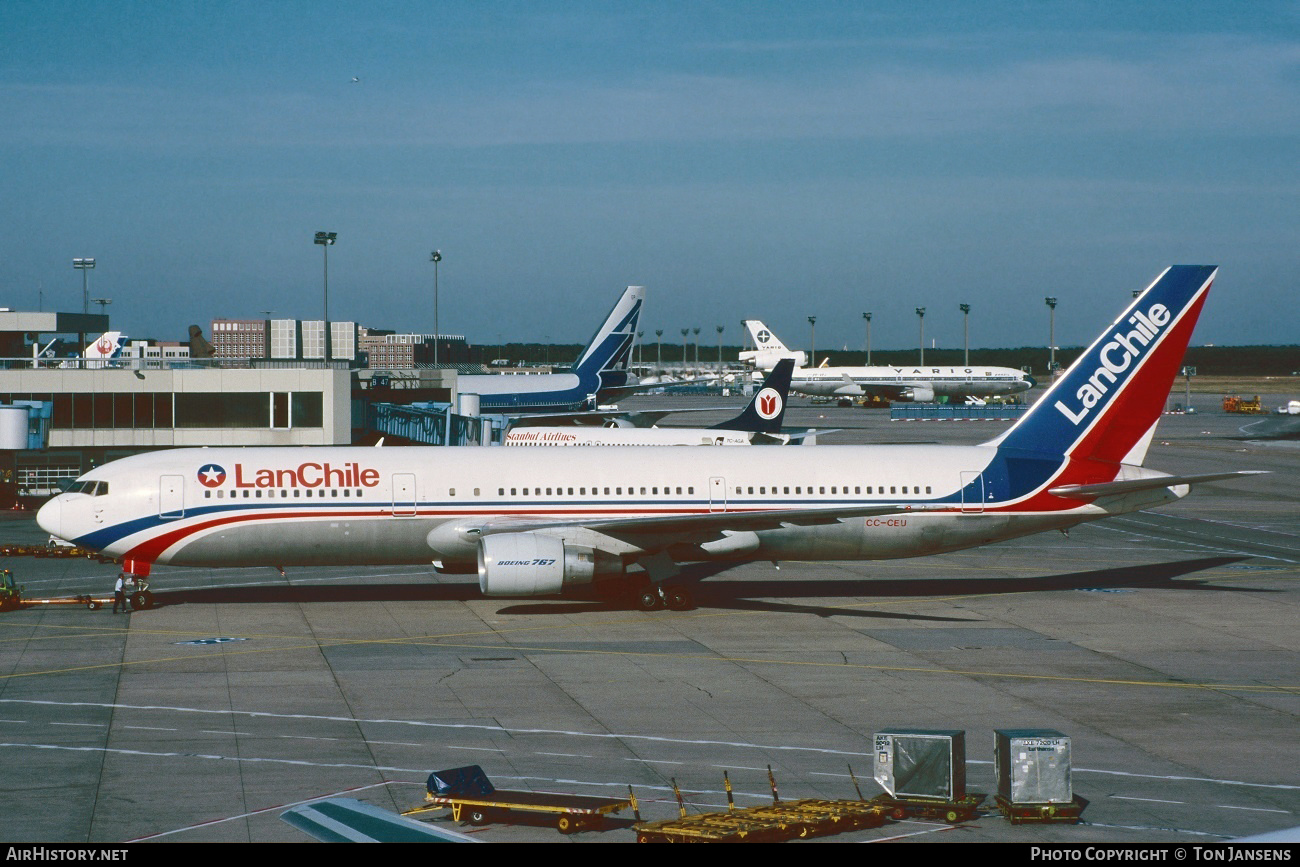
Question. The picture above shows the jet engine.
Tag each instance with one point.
(919, 393)
(530, 564)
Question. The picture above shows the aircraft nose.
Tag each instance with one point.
(1033, 383)
(50, 517)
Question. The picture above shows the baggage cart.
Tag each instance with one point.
(1025, 813)
(472, 799)
(952, 812)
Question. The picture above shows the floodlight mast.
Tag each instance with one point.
(84, 265)
(326, 240)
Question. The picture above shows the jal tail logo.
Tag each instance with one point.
(768, 404)
(1118, 357)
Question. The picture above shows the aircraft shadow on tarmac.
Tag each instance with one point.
(741, 594)
(750, 595)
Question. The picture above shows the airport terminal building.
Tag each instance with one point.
(60, 416)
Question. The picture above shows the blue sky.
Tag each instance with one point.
(741, 160)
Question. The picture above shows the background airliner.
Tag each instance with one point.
(759, 423)
(900, 383)
(541, 521)
(600, 374)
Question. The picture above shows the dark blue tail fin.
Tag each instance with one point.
(610, 350)
(766, 411)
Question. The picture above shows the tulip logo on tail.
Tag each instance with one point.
(768, 404)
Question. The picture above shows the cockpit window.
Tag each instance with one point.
(93, 489)
(100, 490)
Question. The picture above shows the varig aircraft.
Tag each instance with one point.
(536, 522)
(600, 374)
(758, 424)
(903, 383)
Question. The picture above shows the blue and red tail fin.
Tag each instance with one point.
(1105, 407)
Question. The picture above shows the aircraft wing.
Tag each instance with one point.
(346, 820)
(695, 526)
(1128, 486)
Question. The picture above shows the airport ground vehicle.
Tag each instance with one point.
(472, 798)
(931, 808)
(11, 596)
(1236, 404)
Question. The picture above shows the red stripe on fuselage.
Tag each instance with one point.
(149, 550)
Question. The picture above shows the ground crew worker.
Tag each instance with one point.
(119, 593)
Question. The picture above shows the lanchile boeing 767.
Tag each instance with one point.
(536, 522)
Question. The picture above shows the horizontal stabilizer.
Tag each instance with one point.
(346, 820)
(1128, 486)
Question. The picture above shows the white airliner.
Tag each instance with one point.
(541, 521)
(902, 383)
(758, 424)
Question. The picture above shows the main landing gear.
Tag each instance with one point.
(674, 597)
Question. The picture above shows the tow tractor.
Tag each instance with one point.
(11, 596)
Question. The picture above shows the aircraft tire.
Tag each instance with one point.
(678, 598)
(649, 599)
(141, 600)
(476, 817)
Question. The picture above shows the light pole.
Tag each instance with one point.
(920, 315)
(812, 340)
(640, 354)
(435, 257)
(84, 265)
(697, 346)
(1051, 335)
(965, 330)
(867, 318)
(326, 240)
(103, 304)
(659, 335)
(686, 355)
(719, 327)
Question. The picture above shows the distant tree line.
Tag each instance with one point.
(1208, 360)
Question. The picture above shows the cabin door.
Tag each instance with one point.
(171, 496)
(972, 491)
(404, 494)
(717, 494)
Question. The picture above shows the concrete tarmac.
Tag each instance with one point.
(1165, 644)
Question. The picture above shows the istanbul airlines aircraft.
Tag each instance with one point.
(600, 374)
(758, 424)
(889, 383)
(540, 521)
